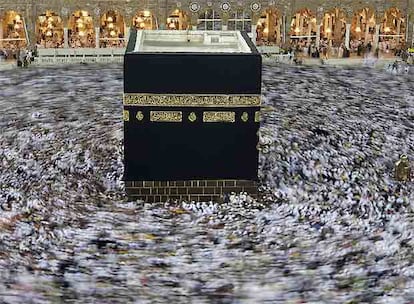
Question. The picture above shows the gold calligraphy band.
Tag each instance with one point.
(191, 100)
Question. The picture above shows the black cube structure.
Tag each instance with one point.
(191, 114)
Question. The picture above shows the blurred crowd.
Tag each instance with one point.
(23, 56)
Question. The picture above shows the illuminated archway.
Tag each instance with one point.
(144, 20)
(49, 30)
(392, 30)
(269, 28)
(334, 26)
(178, 20)
(363, 26)
(81, 30)
(303, 25)
(13, 30)
(112, 30)
(209, 20)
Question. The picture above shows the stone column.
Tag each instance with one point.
(337, 32)
(97, 25)
(366, 34)
(194, 21)
(376, 37)
(309, 33)
(411, 36)
(224, 22)
(127, 33)
(286, 29)
(270, 26)
(254, 34)
(255, 19)
(97, 29)
(398, 30)
(29, 18)
(278, 31)
(162, 15)
(347, 35)
(1, 30)
(318, 34)
(408, 30)
(65, 38)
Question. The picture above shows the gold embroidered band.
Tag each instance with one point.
(185, 100)
(257, 116)
(219, 117)
(126, 115)
(166, 116)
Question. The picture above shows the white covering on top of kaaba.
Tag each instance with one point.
(190, 42)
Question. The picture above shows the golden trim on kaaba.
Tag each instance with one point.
(126, 115)
(257, 116)
(166, 116)
(191, 100)
(192, 117)
(219, 117)
(140, 116)
(245, 116)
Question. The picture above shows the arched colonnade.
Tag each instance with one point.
(385, 30)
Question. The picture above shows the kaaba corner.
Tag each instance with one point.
(191, 114)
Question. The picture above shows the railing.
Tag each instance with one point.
(26, 32)
(12, 39)
(268, 49)
(79, 55)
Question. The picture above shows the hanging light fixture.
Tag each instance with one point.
(110, 19)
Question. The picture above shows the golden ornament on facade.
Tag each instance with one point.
(140, 116)
(191, 100)
(192, 117)
(219, 117)
(166, 116)
(245, 116)
(403, 169)
(126, 115)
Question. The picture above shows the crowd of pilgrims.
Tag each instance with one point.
(326, 50)
(297, 49)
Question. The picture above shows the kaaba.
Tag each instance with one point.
(191, 114)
